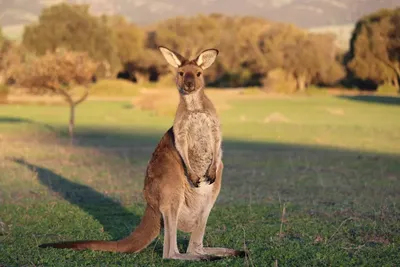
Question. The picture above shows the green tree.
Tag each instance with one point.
(129, 38)
(244, 57)
(139, 62)
(147, 66)
(375, 48)
(312, 59)
(229, 34)
(58, 73)
(12, 55)
(251, 48)
(308, 58)
(188, 34)
(73, 28)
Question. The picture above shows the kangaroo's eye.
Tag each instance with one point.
(181, 73)
(198, 74)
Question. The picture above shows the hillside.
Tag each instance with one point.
(305, 13)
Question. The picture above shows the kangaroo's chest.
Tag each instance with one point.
(201, 131)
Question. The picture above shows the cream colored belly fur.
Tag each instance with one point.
(198, 202)
(200, 140)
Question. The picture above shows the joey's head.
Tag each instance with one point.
(189, 73)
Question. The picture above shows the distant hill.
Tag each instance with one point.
(316, 14)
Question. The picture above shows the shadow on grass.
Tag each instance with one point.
(258, 172)
(111, 214)
(311, 177)
(261, 172)
(14, 120)
(388, 100)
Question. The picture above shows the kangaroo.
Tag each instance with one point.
(183, 177)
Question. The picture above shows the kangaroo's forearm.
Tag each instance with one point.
(182, 147)
(216, 149)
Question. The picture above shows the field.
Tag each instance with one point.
(308, 180)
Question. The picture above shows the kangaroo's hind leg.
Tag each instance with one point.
(196, 239)
(170, 251)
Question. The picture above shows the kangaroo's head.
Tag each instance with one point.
(189, 73)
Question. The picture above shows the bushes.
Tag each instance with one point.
(279, 81)
(387, 89)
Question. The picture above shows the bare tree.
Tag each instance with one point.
(57, 73)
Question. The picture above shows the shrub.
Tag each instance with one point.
(4, 90)
(387, 89)
(279, 81)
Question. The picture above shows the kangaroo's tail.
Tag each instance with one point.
(139, 239)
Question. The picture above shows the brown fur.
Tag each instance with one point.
(183, 177)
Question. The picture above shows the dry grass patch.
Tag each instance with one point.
(335, 111)
(276, 117)
(164, 101)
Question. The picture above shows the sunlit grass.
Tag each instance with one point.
(334, 163)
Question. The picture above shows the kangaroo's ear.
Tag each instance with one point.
(206, 58)
(173, 58)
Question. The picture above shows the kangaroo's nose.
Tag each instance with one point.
(189, 84)
(189, 81)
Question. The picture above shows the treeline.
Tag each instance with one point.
(254, 52)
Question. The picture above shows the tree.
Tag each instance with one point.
(188, 34)
(147, 66)
(4, 49)
(12, 55)
(252, 47)
(139, 63)
(312, 59)
(129, 39)
(375, 48)
(244, 56)
(287, 50)
(73, 28)
(57, 73)
(229, 34)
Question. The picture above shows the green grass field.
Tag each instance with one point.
(308, 181)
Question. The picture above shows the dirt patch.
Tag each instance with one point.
(165, 101)
(276, 117)
(335, 111)
(319, 239)
(242, 118)
(376, 239)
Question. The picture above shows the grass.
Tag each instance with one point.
(308, 181)
(387, 89)
(114, 87)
